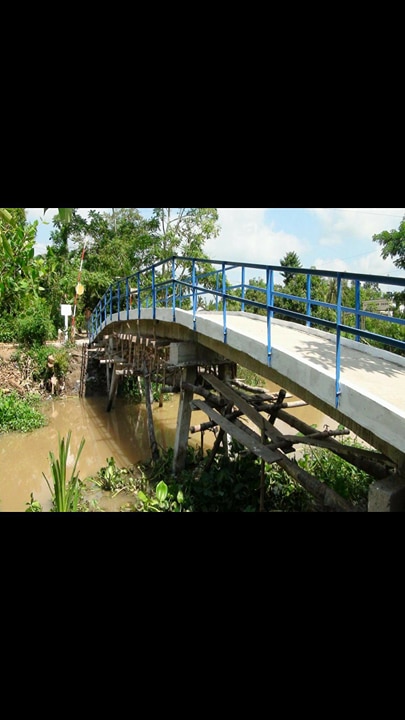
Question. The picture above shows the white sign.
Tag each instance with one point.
(66, 310)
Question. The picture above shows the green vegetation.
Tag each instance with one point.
(34, 325)
(20, 414)
(114, 479)
(232, 483)
(66, 492)
(117, 245)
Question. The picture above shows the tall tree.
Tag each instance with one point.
(393, 244)
(290, 260)
(183, 231)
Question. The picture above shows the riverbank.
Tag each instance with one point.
(15, 376)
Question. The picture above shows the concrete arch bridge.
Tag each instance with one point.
(191, 316)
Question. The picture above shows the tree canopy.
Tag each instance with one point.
(111, 245)
(393, 244)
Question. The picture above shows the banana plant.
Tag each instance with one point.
(65, 214)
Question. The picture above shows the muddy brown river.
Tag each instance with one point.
(121, 434)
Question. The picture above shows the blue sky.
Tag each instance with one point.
(327, 238)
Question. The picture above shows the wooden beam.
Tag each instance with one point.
(254, 445)
(247, 409)
(327, 495)
(370, 461)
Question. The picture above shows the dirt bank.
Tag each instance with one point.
(18, 379)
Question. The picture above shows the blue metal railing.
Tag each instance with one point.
(222, 285)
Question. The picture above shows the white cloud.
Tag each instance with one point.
(246, 236)
(357, 223)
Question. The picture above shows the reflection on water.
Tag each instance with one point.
(121, 434)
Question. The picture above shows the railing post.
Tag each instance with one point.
(270, 312)
(225, 329)
(243, 288)
(174, 289)
(338, 334)
(153, 293)
(194, 282)
(358, 308)
(309, 311)
(127, 297)
(138, 284)
(119, 299)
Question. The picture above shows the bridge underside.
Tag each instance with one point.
(176, 332)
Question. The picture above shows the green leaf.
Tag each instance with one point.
(6, 215)
(65, 214)
(161, 491)
(7, 247)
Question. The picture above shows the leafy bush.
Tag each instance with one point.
(343, 477)
(35, 326)
(114, 479)
(7, 329)
(18, 414)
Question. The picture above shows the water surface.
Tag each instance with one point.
(121, 434)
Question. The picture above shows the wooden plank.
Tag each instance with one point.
(247, 409)
(255, 446)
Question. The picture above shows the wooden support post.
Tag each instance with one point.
(183, 420)
(151, 430)
(263, 475)
(113, 389)
(215, 449)
(277, 406)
